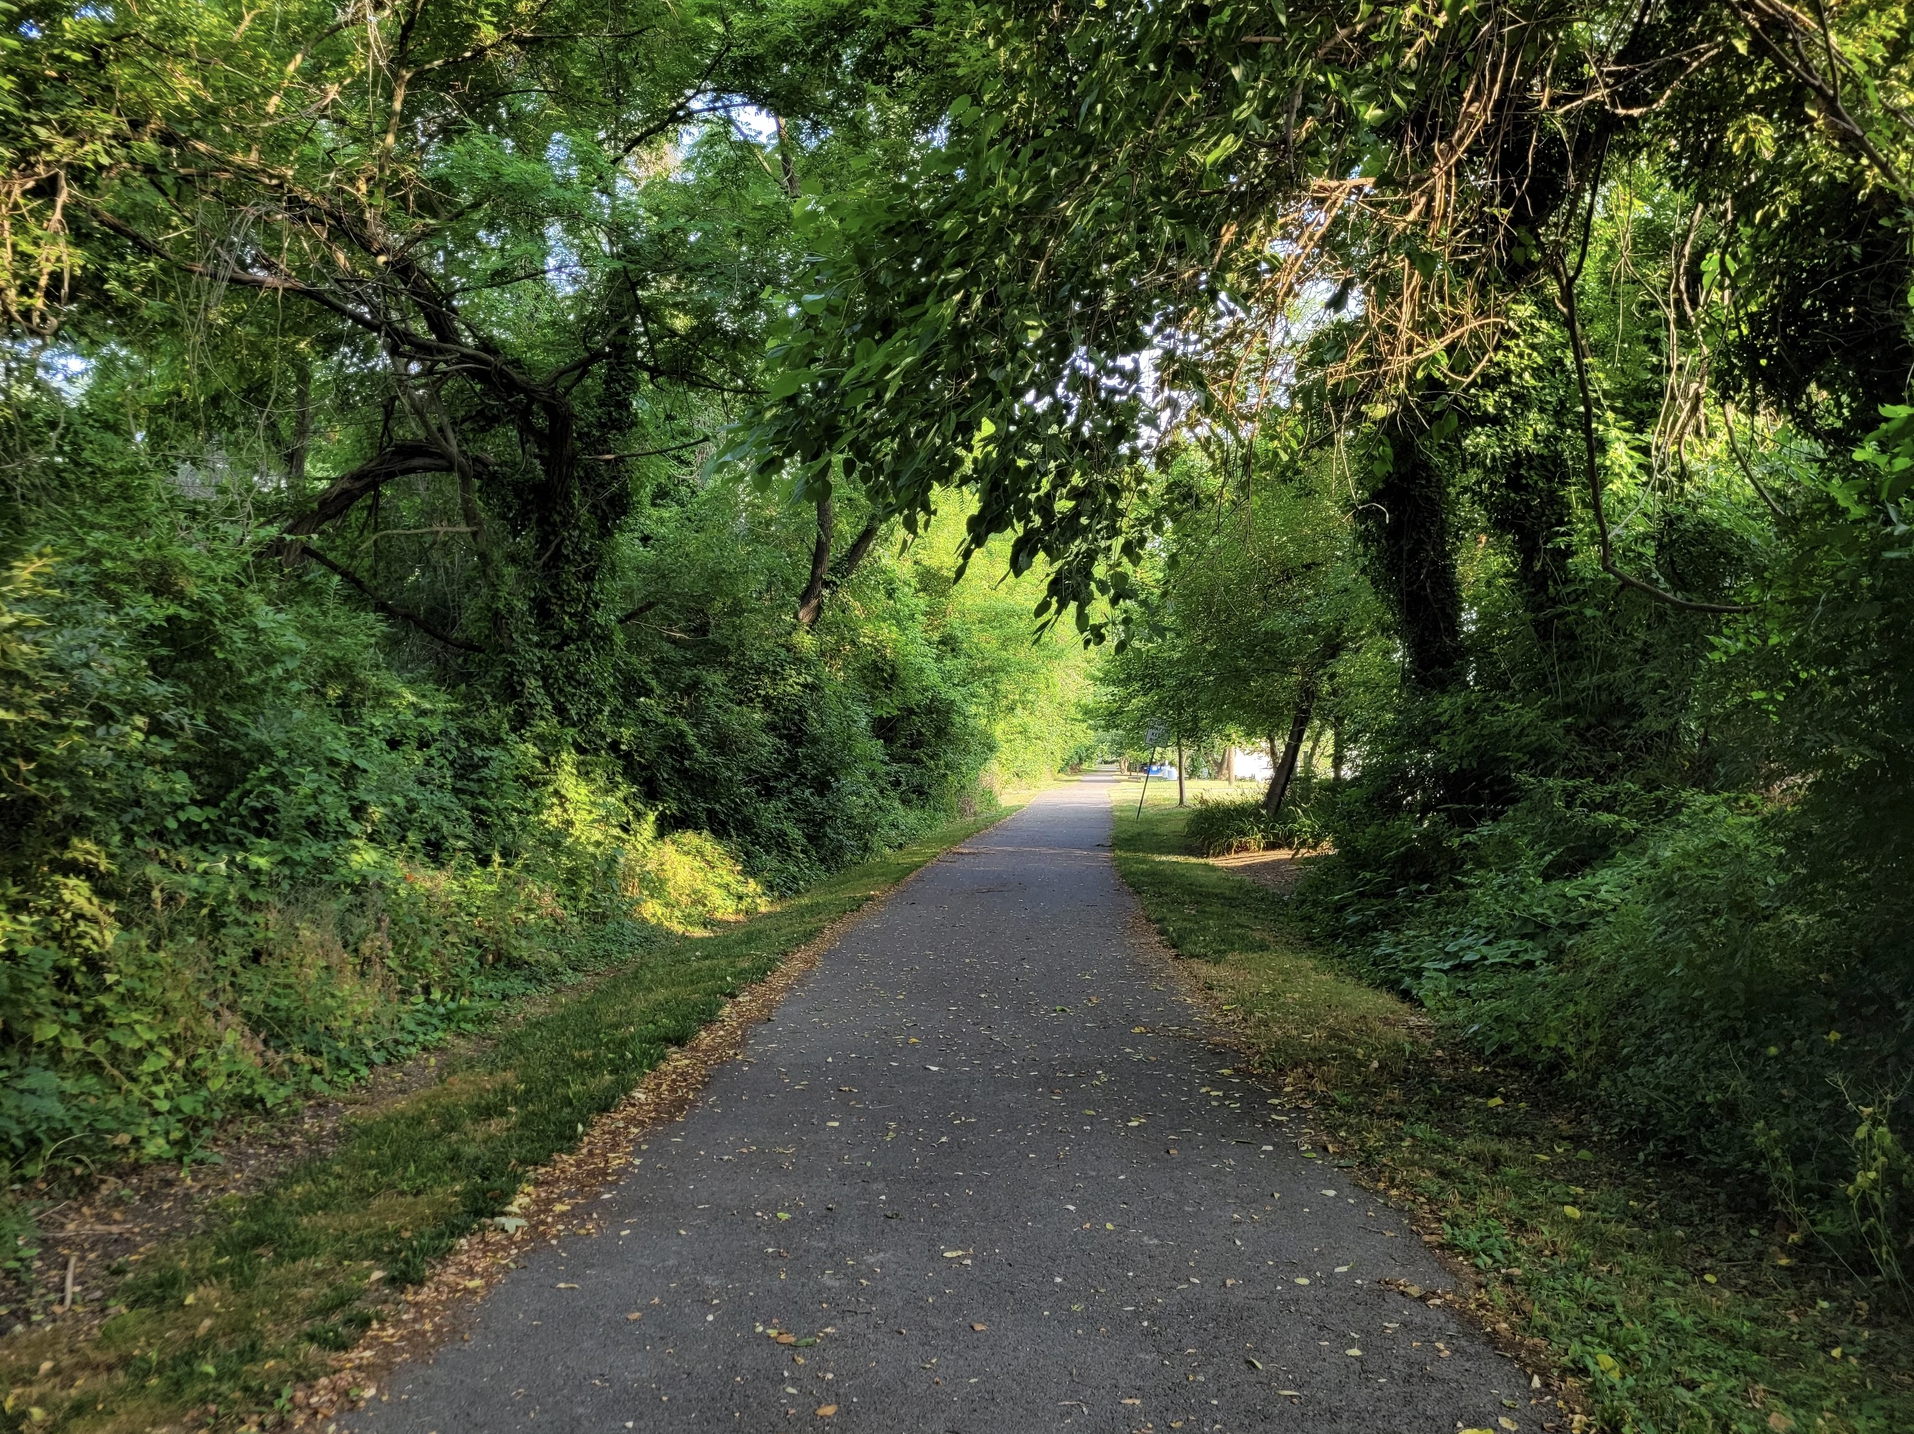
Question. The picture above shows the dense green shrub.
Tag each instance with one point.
(249, 856)
(1700, 984)
(1220, 826)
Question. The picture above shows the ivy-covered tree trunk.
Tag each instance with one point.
(1405, 526)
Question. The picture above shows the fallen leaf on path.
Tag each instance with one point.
(634, 1315)
(825, 1411)
(980, 1328)
(1252, 1363)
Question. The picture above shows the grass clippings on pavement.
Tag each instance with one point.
(292, 1304)
(1662, 1306)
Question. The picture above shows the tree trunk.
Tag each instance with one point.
(1179, 772)
(1335, 753)
(301, 430)
(1405, 528)
(784, 159)
(1309, 763)
(1285, 769)
(828, 576)
(811, 600)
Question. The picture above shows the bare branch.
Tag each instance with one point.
(295, 552)
(408, 456)
(650, 452)
(1594, 474)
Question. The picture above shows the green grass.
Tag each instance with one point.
(238, 1316)
(1669, 1308)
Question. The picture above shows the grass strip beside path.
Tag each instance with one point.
(1667, 1308)
(220, 1330)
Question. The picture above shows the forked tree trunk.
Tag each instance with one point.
(811, 600)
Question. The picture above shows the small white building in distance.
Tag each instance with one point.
(1247, 764)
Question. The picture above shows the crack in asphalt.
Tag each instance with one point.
(976, 1176)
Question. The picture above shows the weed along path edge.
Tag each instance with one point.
(980, 1172)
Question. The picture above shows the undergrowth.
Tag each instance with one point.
(237, 1317)
(1222, 826)
(1671, 1310)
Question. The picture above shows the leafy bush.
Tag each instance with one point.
(248, 860)
(1221, 826)
(1692, 971)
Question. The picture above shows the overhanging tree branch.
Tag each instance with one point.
(408, 456)
(1566, 284)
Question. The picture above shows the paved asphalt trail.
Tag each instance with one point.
(1008, 1210)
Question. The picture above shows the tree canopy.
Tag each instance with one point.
(469, 460)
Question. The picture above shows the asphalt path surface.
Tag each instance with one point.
(982, 1157)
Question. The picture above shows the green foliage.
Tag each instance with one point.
(290, 1273)
(1026, 690)
(1222, 826)
(1700, 985)
(377, 643)
(1669, 1307)
(19, 1239)
(252, 860)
